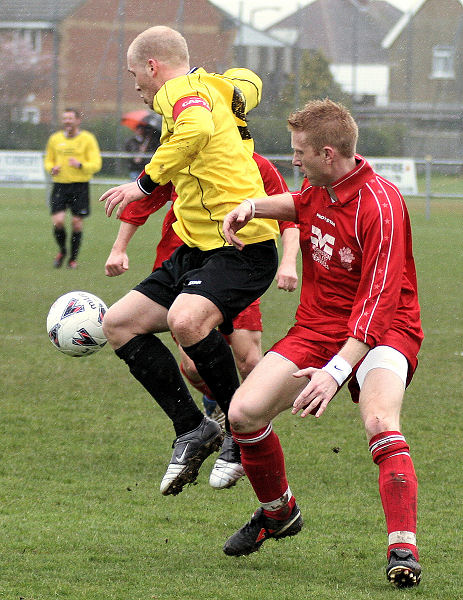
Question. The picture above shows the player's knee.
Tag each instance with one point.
(182, 324)
(108, 324)
(376, 422)
(246, 363)
(112, 325)
(77, 224)
(241, 419)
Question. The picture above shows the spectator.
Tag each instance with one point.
(145, 140)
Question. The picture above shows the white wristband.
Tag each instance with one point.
(253, 206)
(338, 368)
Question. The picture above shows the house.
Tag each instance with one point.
(84, 43)
(266, 55)
(349, 33)
(426, 70)
(425, 52)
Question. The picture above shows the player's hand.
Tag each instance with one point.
(236, 220)
(55, 170)
(117, 263)
(73, 162)
(286, 278)
(122, 194)
(316, 395)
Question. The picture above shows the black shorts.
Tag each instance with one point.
(229, 278)
(71, 195)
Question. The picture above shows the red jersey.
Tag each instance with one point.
(359, 277)
(138, 212)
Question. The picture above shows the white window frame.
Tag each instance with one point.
(32, 37)
(26, 114)
(443, 62)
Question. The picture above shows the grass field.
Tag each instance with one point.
(83, 449)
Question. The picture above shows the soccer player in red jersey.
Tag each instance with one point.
(358, 320)
(245, 340)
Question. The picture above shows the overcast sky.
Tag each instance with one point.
(262, 13)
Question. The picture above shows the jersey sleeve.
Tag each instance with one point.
(138, 212)
(189, 114)
(284, 225)
(273, 180)
(380, 227)
(274, 183)
(49, 159)
(92, 158)
(249, 83)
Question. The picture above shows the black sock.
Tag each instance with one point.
(60, 237)
(154, 366)
(76, 239)
(214, 361)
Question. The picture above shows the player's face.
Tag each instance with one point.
(311, 163)
(70, 122)
(145, 82)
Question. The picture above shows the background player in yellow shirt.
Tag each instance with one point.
(72, 157)
(206, 282)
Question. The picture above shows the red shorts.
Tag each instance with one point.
(250, 318)
(305, 348)
(305, 352)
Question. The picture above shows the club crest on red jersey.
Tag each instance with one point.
(347, 258)
(322, 246)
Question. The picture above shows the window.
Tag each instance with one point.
(28, 114)
(32, 37)
(443, 62)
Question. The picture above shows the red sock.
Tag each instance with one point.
(398, 488)
(262, 459)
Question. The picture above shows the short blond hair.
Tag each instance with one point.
(326, 123)
(162, 43)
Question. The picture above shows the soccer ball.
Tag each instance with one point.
(75, 323)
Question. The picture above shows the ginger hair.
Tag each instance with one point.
(326, 123)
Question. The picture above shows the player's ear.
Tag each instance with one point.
(152, 65)
(328, 154)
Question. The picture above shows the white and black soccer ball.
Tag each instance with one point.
(75, 323)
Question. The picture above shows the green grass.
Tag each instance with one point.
(83, 448)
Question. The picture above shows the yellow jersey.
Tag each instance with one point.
(83, 147)
(203, 154)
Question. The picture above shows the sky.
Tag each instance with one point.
(262, 13)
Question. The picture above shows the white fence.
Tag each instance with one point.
(25, 169)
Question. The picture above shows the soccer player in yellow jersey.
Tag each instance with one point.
(72, 157)
(206, 152)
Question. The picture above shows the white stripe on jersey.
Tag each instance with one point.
(389, 250)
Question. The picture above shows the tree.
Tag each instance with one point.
(314, 81)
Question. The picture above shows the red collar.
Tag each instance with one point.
(347, 187)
